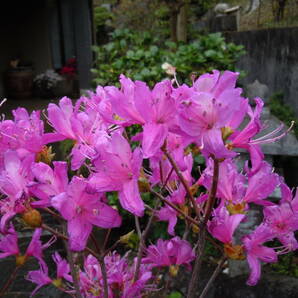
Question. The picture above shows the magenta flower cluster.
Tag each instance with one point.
(167, 127)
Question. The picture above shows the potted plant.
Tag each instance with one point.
(65, 87)
(46, 82)
(19, 80)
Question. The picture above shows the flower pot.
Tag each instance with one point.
(64, 87)
(19, 83)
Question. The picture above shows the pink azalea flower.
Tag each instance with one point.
(63, 268)
(231, 185)
(118, 169)
(223, 225)
(287, 197)
(169, 252)
(15, 175)
(84, 127)
(168, 214)
(82, 210)
(212, 106)
(120, 273)
(244, 138)
(282, 220)
(60, 117)
(154, 110)
(39, 277)
(157, 108)
(124, 102)
(14, 179)
(9, 245)
(261, 185)
(25, 133)
(50, 182)
(256, 252)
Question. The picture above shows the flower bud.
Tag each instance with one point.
(236, 208)
(32, 218)
(21, 260)
(234, 252)
(168, 68)
(184, 209)
(226, 132)
(45, 155)
(57, 282)
(194, 188)
(195, 229)
(143, 183)
(173, 270)
(125, 238)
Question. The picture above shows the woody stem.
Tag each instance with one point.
(202, 232)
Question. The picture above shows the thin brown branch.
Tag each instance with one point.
(111, 248)
(9, 281)
(95, 244)
(213, 277)
(138, 228)
(183, 181)
(106, 239)
(64, 237)
(212, 193)
(167, 179)
(73, 269)
(142, 243)
(187, 217)
(48, 210)
(202, 232)
(104, 277)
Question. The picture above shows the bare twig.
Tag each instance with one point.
(73, 269)
(187, 217)
(106, 239)
(48, 210)
(142, 243)
(183, 181)
(202, 232)
(138, 228)
(212, 193)
(104, 277)
(9, 281)
(64, 237)
(213, 277)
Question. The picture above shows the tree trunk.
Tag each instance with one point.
(182, 24)
(174, 17)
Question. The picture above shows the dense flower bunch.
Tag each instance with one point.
(168, 127)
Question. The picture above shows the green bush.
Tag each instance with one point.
(283, 111)
(140, 56)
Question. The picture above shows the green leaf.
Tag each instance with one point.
(130, 54)
(175, 295)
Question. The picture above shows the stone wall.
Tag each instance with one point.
(272, 58)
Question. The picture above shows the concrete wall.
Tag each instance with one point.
(272, 58)
(24, 33)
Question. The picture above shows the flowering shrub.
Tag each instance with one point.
(174, 125)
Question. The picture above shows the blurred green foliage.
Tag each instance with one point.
(140, 56)
(101, 15)
(283, 111)
(287, 264)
